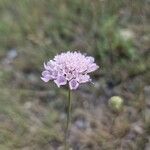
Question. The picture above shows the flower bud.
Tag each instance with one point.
(116, 103)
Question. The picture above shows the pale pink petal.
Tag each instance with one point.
(51, 64)
(73, 84)
(69, 76)
(47, 67)
(92, 68)
(45, 79)
(54, 74)
(60, 81)
(83, 78)
(46, 72)
(90, 59)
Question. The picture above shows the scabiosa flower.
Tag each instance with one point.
(71, 68)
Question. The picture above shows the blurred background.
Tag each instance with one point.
(116, 33)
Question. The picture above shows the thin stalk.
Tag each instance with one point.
(68, 119)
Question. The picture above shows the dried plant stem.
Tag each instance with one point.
(68, 120)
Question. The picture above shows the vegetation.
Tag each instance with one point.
(116, 33)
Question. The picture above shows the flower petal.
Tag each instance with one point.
(69, 76)
(73, 84)
(51, 64)
(47, 67)
(61, 80)
(46, 72)
(83, 78)
(92, 68)
(90, 59)
(45, 79)
(82, 69)
(54, 74)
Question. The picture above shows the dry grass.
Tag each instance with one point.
(32, 114)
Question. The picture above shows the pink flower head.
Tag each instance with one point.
(71, 68)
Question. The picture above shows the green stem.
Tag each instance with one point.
(68, 119)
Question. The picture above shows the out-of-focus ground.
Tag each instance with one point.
(32, 113)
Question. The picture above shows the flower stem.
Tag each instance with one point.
(68, 119)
